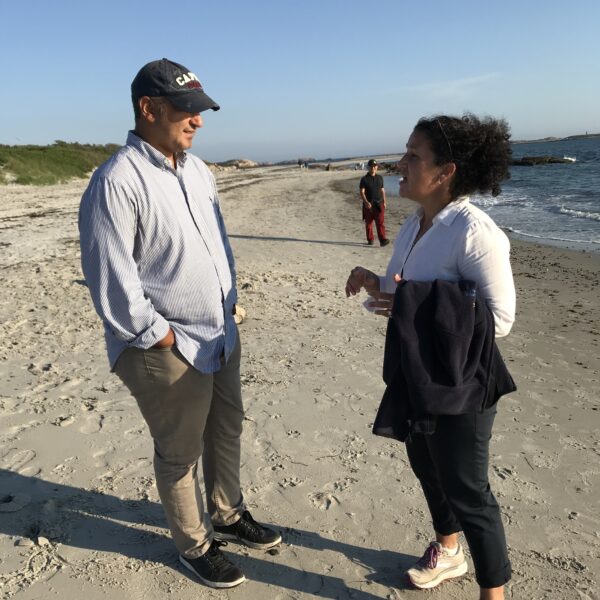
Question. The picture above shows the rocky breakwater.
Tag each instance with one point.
(531, 161)
(237, 163)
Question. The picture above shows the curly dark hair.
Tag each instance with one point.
(479, 147)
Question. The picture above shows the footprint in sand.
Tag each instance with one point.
(17, 460)
(110, 422)
(290, 482)
(138, 467)
(88, 406)
(324, 500)
(64, 421)
(13, 502)
(17, 429)
(101, 456)
(344, 484)
(504, 472)
(133, 433)
(134, 467)
(93, 424)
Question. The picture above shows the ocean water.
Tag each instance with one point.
(554, 204)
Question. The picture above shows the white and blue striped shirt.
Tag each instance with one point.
(155, 253)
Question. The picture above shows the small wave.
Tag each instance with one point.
(569, 158)
(549, 237)
(579, 214)
(506, 200)
(485, 202)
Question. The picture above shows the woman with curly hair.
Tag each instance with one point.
(449, 239)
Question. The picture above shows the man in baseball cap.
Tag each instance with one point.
(173, 81)
(161, 273)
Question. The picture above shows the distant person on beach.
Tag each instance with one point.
(448, 287)
(372, 194)
(161, 273)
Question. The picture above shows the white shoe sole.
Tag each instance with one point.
(235, 538)
(212, 584)
(447, 574)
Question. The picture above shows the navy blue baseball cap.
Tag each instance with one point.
(173, 81)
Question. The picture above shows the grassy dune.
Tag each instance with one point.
(45, 165)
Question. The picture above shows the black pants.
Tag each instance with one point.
(452, 466)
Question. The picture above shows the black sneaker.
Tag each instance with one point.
(370, 242)
(248, 531)
(384, 242)
(213, 568)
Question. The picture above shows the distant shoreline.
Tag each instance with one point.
(382, 157)
(58, 162)
(581, 136)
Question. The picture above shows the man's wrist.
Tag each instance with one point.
(167, 341)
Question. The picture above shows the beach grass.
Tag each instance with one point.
(55, 163)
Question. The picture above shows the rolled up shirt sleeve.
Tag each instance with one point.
(486, 260)
(107, 227)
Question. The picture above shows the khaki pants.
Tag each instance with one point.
(190, 414)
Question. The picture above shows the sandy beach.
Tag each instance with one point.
(79, 511)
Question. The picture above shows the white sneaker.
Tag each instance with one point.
(437, 565)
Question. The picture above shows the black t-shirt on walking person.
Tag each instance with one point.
(372, 184)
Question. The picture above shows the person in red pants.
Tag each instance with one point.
(372, 194)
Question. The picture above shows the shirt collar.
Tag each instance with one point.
(447, 215)
(155, 156)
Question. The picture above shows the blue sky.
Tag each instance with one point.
(313, 78)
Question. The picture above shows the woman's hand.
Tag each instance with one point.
(361, 278)
(382, 303)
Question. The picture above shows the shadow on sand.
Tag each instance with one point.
(95, 521)
(265, 238)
